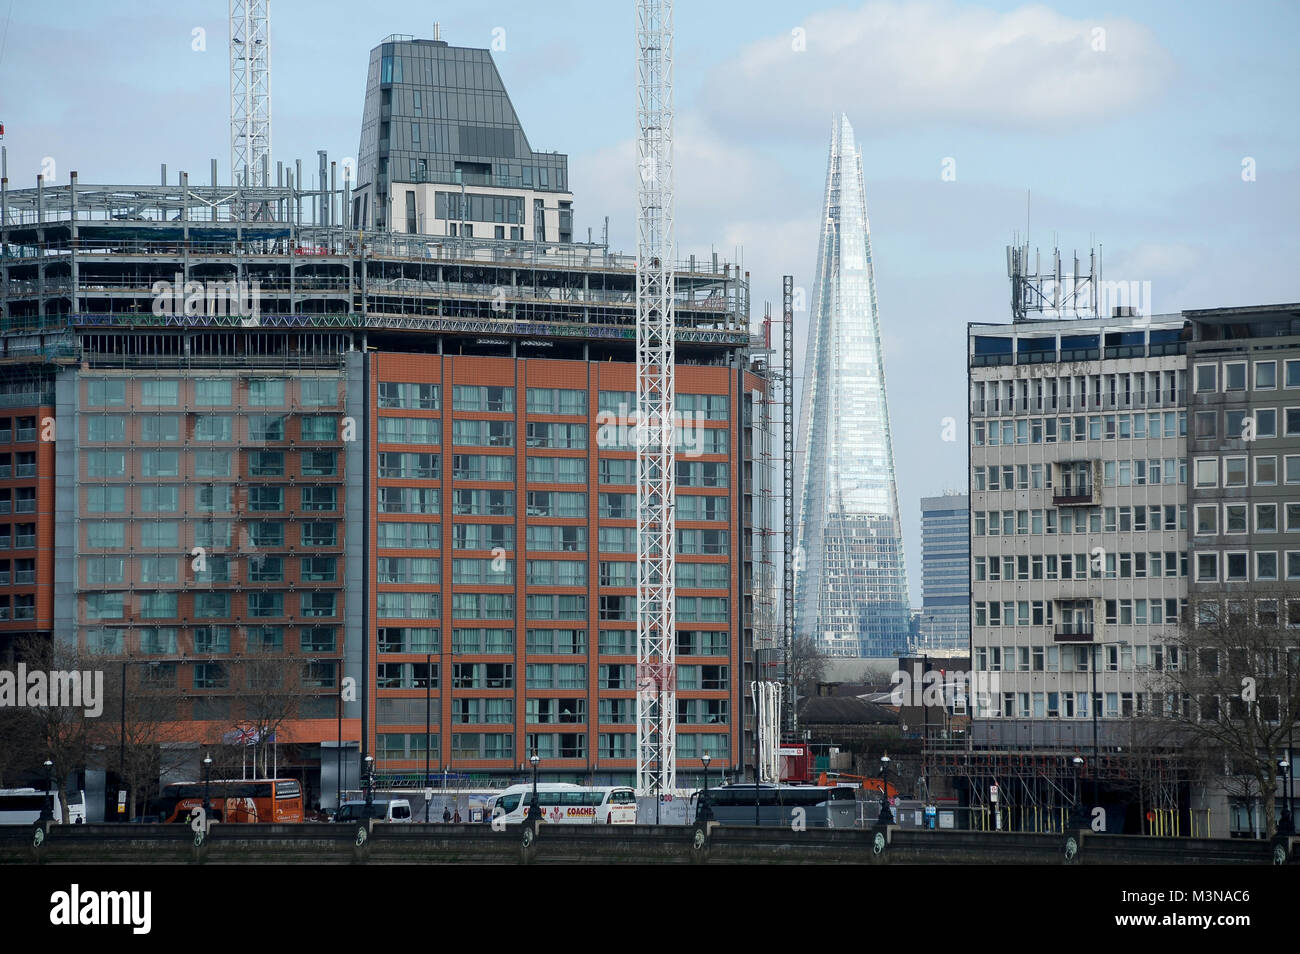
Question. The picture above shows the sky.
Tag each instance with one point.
(1164, 133)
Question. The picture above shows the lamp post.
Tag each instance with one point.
(207, 778)
(886, 816)
(1287, 825)
(47, 808)
(370, 785)
(534, 806)
(703, 812)
(1096, 704)
(428, 687)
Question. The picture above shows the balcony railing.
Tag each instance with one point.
(1072, 495)
(1074, 632)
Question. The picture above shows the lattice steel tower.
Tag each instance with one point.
(250, 92)
(656, 705)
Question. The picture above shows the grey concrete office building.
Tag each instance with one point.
(945, 570)
(1244, 497)
(1079, 522)
(442, 151)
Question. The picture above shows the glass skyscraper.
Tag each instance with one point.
(851, 585)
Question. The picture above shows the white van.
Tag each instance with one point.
(382, 809)
(23, 806)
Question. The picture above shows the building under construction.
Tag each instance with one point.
(390, 474)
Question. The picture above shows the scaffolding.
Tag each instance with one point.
(1038, 791)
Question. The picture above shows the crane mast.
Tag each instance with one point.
(656, 705)
(250, 92)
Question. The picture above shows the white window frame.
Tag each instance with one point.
(1197, 378)
(1254, 383)
(1246, 467)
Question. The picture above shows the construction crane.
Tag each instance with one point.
(656, 698)
(250, 92)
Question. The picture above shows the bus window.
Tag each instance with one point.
(510, 802)
(624, 796)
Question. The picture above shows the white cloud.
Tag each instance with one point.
(889, 63)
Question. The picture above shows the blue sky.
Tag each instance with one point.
(1137, 145)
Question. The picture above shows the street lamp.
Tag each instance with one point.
(702, 811)
(886, 816)
(370, 785)
(47, 809)
(1287, 825)
(534, 806)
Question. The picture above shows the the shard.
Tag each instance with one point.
(850, 587)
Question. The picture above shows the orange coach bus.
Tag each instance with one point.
(236, 801)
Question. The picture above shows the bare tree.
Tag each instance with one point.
(64, 734)
(807, 665)
(270, 692)
(141, 721)
(1235, 694)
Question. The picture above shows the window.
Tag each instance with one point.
(1266, 518)
(109, 393)
(317, 392)
(211, 605)
(319, 498)
(1292, 421)
(320, 639)
(622, 471)
(1207, 521)
(408, 396)
(266, 427)
(1207, 377)
(483, 502)
(322, 427)
(1265, 566)
(617, 506)
(405, 500)
(1207, 567)
(1234, 376)
(557, 539)
(1234, 472)
(556, 401)
(482, 536)
(1234, 518)
(1265, 375)
(409, 466)
(467, 397)
(1207, 472)
(573, 436)
(1235, 567)
(266, 392)
(617, 539)
(105, 427)
(478, 433)
(1206, 425)
(556, 504)
(558, 470)
(213, 427)
(160, 393)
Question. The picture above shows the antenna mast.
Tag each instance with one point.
(656, 699)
